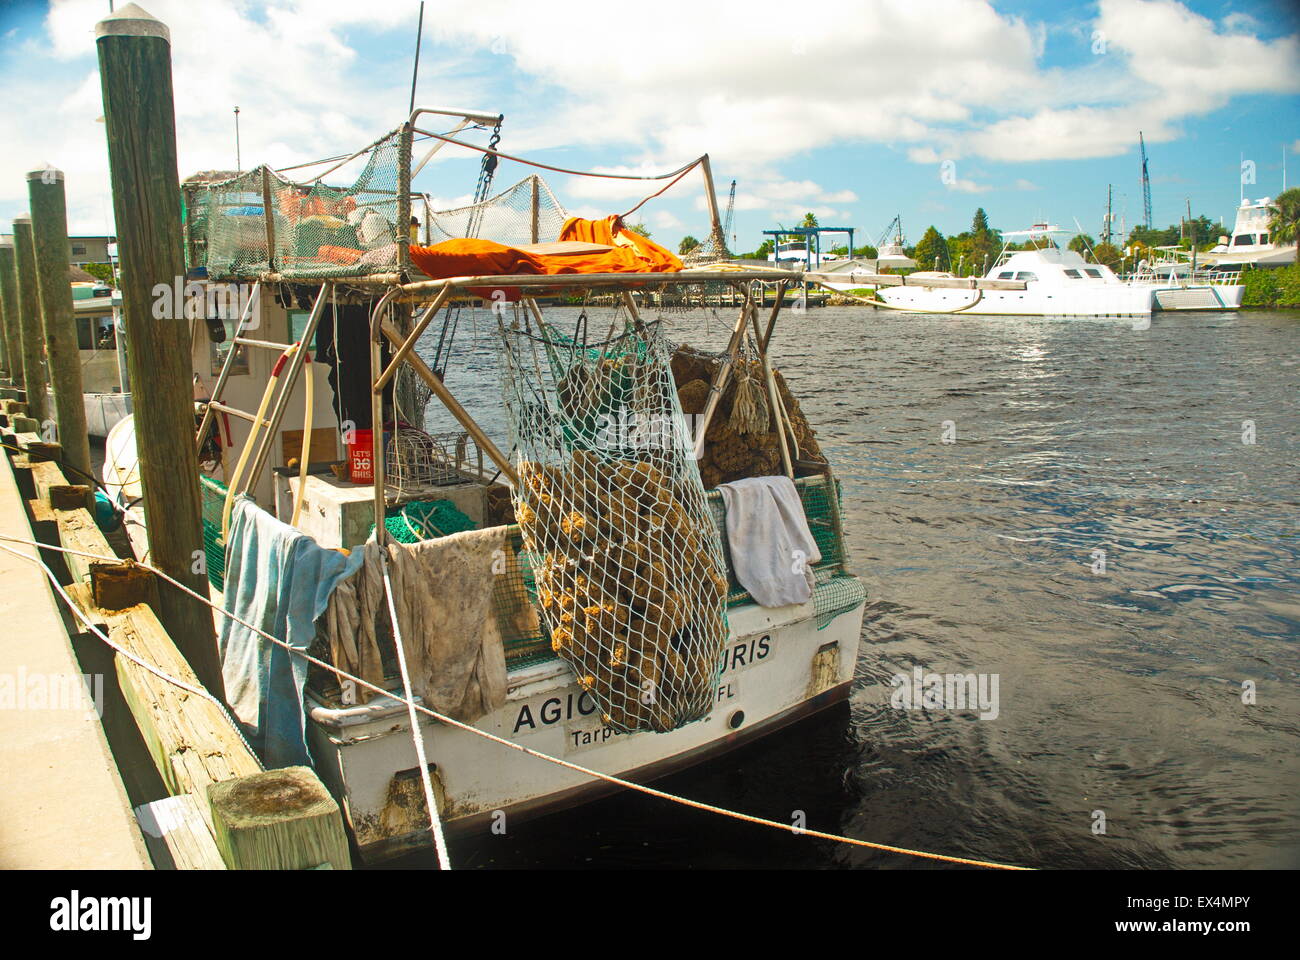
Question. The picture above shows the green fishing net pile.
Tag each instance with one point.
(424, 520)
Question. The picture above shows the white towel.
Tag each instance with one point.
(772, 549)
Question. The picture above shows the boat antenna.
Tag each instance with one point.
(1084, 237)
(239, 164)
(415, 73)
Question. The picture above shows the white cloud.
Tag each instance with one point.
(665, 219)
(944, 79)
(1175, 63)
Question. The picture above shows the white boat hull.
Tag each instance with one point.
(1201, 296)
(1089, 300)
(104, 411)
(779, 668)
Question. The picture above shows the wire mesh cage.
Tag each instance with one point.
(259, 222)
(628, 567)
(414, 460)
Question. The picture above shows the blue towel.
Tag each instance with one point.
(280, 580)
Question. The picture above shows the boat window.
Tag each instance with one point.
(1263, 238)
(1096, 274)
(298, 320)
(1074, 273)
(1026, 275)
(1242, 240)
(1006, 275)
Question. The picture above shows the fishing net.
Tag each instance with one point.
(424, 520)
(308, 230)
(507, 218)
(625, 557)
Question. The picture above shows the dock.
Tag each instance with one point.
(64, 805)
(114, 757)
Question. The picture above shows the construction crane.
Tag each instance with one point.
(1108, 221)
(1146, 183)
(731, 209)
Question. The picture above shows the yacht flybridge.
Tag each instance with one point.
(1250, 244)
(1048, 281)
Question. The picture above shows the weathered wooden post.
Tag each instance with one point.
(50, 244)
(4, 338)
(29, 319)
(140, 124)
(9, 300)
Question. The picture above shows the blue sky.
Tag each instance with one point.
(1030, 109)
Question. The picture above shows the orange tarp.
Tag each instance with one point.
(631, 253)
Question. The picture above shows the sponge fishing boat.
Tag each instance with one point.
(647, 571)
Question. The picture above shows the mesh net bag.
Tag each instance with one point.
(627, 563)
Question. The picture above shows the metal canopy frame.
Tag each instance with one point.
(437, 293)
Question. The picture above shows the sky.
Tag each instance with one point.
(867, 109)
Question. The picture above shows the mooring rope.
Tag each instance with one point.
(577, 768)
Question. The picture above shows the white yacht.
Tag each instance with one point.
(1055, 282)
(1250, 244)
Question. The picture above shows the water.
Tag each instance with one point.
(1119, 692)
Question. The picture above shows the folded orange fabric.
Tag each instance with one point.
(632, 253)
(342, 255)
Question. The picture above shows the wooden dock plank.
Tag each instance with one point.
(177, 834)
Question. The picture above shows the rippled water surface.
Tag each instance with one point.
(1119, 692)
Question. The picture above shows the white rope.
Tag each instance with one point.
(587, 771)
(435, 821)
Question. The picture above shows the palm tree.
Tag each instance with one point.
(1282, 226)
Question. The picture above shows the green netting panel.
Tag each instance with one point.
(506, 218)
(213, 493)
(526, 640)
(423, 520)
(318, 231)
(834, 593)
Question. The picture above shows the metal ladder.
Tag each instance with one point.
(290, 378)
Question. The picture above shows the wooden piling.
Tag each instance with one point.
(50, 245)
(140, 124)
(29, 321)
(278, 820)
(4, 339)
(13, 333)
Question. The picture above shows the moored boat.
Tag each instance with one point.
(1051, 281)
(636, 588)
